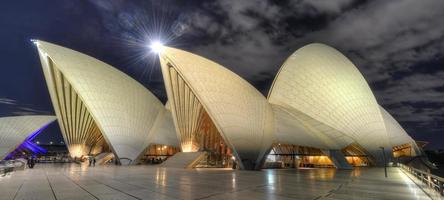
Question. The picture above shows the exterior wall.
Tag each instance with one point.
(164, 132)
(14, 130)
(124, 111)
(240, 112)
(297, 128)
(320, 82)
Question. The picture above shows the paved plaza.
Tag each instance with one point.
(72, 181)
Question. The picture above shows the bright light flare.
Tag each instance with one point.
(157, 47)
(36, 42)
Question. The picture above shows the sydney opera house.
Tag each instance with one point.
(319, 111)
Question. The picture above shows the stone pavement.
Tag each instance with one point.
(72, 181)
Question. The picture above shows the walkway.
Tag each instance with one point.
(70, 181)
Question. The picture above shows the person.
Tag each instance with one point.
(90, 161)
(28, 162)
(32, 163)
(234, 164)
(94, 161)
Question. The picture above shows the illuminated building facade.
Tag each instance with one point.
(319, 102)
(320, 110)
(99, 107)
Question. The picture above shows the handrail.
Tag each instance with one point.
(130, 160)
(436, 183)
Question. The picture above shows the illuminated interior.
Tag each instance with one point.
(293, 156)
(356, 156)
(403, 150)
(154, 152)
(357, 161)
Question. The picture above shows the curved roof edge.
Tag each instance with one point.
(296, 128)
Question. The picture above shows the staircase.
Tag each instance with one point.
(184, 160)
(103, 157)
(338, 159)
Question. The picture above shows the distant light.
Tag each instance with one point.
(157, 47)
(61, 142)
(36, 42)
(50, 142)
(37, 142)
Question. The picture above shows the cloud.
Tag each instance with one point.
(416, 88)
(236, 37)
(378, 36)
(316, 7)
(23, 113)
(8, 101)
(387, 40)
(417, 98)
(33, 110)
(388, 35)
(11, 106)
(22, 110)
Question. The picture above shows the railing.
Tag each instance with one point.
(434, 184)
(126, 161)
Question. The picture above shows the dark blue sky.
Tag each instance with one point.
(397, 45)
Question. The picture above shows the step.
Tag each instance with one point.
(184, 160)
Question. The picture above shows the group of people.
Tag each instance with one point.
(92, 161)
(31, 162)
(156, 160)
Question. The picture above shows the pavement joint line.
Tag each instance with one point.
(116, 189)
(80, 186)
(16, 192)
(104, 176)
(155, 190)
(142, 188)
(50, 185)
(330, 192)
(234, 191)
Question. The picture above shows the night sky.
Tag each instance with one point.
(397, 45)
